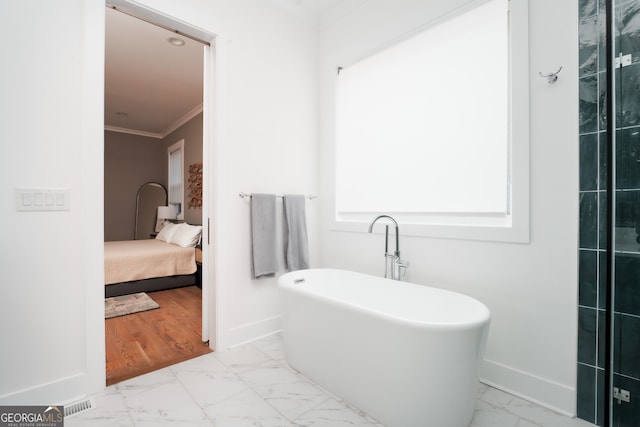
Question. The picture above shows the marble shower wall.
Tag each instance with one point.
(593, 221)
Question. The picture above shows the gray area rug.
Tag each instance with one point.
(128, 304)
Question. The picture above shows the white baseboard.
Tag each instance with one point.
(252, 331)
(56, 392)
(541, 391)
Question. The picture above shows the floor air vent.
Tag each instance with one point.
(76, 408)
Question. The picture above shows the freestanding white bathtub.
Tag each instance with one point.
(406, 354)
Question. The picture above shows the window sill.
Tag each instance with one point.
(489, 229)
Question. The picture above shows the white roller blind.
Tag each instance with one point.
(176, 185)
(422, 126)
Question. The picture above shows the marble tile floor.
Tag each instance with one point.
(254, 386)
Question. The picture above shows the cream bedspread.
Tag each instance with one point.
(129, 260)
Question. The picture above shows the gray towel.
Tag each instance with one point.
(263, 235)
(295, 233)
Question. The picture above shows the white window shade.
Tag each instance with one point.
(175, 174)
(422, 126)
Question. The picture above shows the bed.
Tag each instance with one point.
(169, 261)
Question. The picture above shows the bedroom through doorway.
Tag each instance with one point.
(154, 100)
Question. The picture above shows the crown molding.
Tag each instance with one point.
(182, 120)
(159, 135)
(133, 132)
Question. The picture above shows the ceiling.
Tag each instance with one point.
(317, 7)
(151, 86)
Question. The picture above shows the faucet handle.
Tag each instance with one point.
(398, 267)
(402, 267)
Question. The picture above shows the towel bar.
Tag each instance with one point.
(243, 195)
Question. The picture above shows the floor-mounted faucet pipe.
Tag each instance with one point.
(397, 251)
(386, 238)
(394, 266)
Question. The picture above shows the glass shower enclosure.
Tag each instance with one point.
(608, 389)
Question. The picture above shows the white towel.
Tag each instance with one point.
(263, 235)
(295, 233)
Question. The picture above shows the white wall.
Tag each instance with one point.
(51, 309)
(267, 142)
(531, 289)
(51, 306)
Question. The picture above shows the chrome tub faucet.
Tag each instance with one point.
(394, 267)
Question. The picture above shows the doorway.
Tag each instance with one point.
(137, 120)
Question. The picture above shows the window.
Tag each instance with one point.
(424, 129)
(176, 167)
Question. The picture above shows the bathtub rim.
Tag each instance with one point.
(286, 284)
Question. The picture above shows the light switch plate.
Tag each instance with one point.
(42, 199)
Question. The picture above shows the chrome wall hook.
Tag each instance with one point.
(551, 77)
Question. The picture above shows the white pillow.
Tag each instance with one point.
(167, 231)
(186, 235)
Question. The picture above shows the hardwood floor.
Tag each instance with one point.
(144, 342)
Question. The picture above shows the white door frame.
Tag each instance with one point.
(212, 131)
